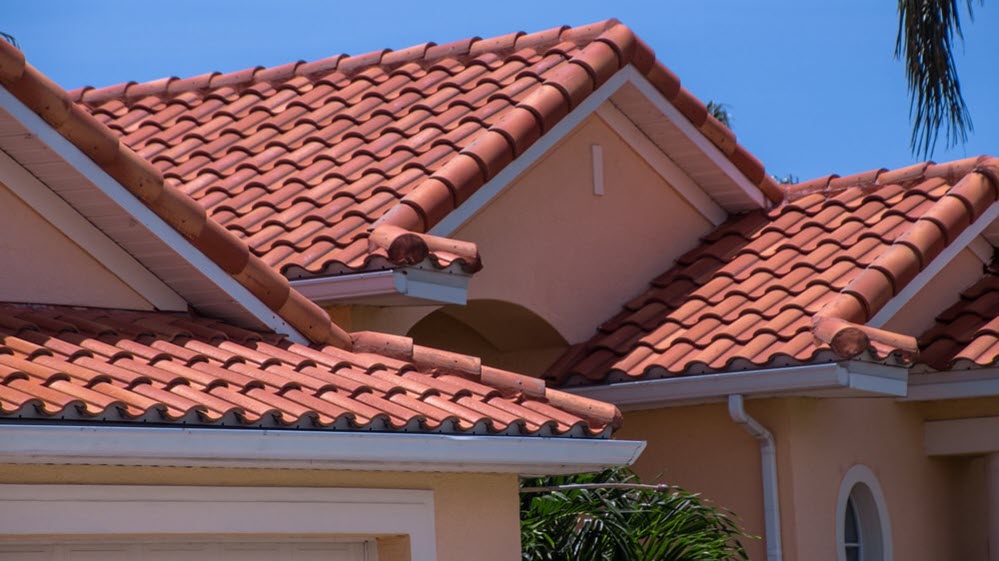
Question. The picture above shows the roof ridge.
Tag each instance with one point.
(180, 211)
(403, 348)
(428, 53)
(832, 184)
(614, 48)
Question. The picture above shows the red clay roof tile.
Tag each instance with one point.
(798, 283)
(79, 364)
(404, 124)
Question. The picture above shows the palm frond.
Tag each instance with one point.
(611, 516)
(926, 31)
(9, 38)
(720, 111)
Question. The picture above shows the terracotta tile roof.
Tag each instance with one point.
(301, 160)
(79, 364)
(157, 367)
(149, 185)
(966, 335)
(795, 284)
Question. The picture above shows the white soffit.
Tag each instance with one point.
(665, 139)
(123, 218)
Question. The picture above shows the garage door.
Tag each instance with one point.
(188, 551)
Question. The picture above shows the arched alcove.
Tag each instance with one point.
(503, 334)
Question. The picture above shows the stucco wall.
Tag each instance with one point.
(477, 515)
(39, 265)
(549, 244)
(935, 505)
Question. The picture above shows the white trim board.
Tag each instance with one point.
(81, 232)
(130, 204)
(815, 380)
(54, 510)
(964, 240)
(661, 163)
(104, 445)
(628, 75)
(961, 437)
(420, 286)
(703, 144)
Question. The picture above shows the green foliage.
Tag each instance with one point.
(720, 111)
(926, 29)
(9, 38)
(610, 516)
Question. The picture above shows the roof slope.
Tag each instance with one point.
(302, 160)
(966, 335)
(78, 364)
(795, 284)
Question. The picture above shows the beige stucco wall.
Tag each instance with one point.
(477, 515)
(938, 295)
(935, 505)
(549, 244)
(39, 265)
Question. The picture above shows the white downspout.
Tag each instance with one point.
(768, 453)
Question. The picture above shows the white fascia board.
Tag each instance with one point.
(953, 384)
(959, 437)
(140, 212)
(695, 136)
(661, 163)
(255, 448)
(834, 379)
(422, 284)
(964, 240)
(57, 212)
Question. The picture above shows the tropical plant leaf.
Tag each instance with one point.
(9, 38)
(611, 516)
(925, 39)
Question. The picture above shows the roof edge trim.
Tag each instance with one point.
(187, 447)
(425, 285)
(57, 212)
(141, 212)
(833, 379)
(953, 384)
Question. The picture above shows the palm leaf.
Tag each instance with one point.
(926, 31)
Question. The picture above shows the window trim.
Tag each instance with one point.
(861, 474)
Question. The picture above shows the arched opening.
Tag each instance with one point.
(862, 528)
(503, 334)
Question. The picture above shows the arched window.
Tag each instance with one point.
(862, 528)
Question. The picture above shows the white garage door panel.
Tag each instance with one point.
(186, 551)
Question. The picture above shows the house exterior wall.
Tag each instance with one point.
(548, 241)
(936, 506)
(477, 515)
(51, 268)
(938, 294)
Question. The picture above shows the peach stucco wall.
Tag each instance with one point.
(477, 515)
(42, 266)
(935, 505)
(549, 244)
(938, 295)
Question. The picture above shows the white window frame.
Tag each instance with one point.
(863, 475)
(109, 511)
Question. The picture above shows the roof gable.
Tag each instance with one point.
(302, 160)
(798, 284)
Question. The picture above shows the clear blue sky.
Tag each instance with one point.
(812, 85)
